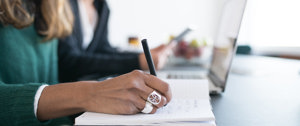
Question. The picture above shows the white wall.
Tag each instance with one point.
(272, 27)
(157, 19)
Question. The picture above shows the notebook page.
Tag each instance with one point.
(189, 88)
(190, 103)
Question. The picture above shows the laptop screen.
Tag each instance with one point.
(225, 41)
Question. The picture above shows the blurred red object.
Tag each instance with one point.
(186, 51)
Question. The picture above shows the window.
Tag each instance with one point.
(272, 27)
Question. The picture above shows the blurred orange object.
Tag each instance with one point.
(133, 41)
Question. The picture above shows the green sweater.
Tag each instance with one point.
(25, 63)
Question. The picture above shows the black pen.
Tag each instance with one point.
(148, 57)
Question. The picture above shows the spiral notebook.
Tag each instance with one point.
(190, 105)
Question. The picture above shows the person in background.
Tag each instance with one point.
(87, 50)
(29, 87)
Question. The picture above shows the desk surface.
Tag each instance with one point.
(261, 91)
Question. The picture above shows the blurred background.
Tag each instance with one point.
(269, 27)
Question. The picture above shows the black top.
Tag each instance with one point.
(99, 58)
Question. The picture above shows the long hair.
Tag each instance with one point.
(52, 18)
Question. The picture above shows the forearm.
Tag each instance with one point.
(63, 100)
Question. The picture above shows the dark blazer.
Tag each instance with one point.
(99, 58)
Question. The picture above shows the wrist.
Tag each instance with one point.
(87, 94)
(63, 99)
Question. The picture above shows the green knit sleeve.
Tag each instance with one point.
(16, 106)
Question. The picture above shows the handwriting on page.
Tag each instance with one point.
(184, 106)
(179, 106)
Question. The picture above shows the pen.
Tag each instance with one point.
(148, 57)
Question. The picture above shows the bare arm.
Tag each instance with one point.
(62, 100)
(125, 94)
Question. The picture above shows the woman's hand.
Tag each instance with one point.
(159, 54)
(127, 94)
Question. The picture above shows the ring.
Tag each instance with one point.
(154, 98)
(148, 108)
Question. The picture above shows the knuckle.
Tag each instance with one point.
(132, 84)
(137, 72)
(135, 80)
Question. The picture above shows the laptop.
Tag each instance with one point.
(223, 51)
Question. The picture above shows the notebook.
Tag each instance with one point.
(192, 108)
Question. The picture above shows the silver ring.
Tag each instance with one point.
(148, 108)
(154, 98)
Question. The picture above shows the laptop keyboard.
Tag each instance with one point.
(185, 75)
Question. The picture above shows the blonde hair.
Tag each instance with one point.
(52, 18)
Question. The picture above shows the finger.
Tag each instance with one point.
(144, 93)
(162, 99)
(140, 103)
(151, 83)
(153, 110)
(162, 103)
(148, 108)
(162, 87)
